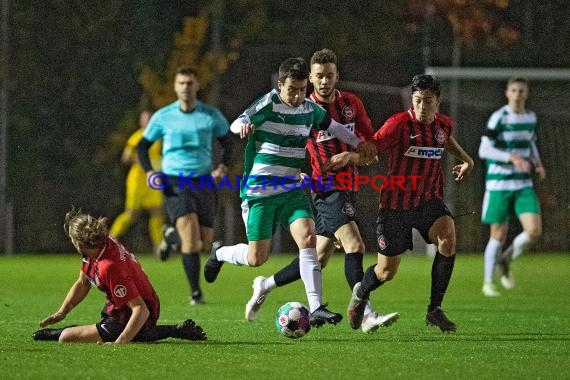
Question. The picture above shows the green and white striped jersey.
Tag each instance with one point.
(509, 132)
(275, 151)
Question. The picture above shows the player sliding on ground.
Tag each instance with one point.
(132, 306)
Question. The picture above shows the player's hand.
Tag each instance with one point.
(540, 172)
(520, 163)
(339, 160)
(219, 172)
(459, 171)
(367, 151)
(54, 318)
(246, 130)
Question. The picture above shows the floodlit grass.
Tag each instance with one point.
(525, 333)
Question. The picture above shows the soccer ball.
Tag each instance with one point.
(293, 320)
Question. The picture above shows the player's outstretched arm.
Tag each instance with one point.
(459, 171)
(340, 160)
(75, 295)
(242, 126)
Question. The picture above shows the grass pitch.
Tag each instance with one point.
(525, 333)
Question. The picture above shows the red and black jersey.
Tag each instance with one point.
(347, 109)
(118, 274)
(415, 149)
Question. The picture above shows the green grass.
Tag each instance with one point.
(525, 333)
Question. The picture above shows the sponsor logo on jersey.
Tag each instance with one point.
(440, 136)
(424, 152)
(348, 112)
(325, 136)
(120, 291)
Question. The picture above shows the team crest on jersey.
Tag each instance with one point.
(348, 112)
(382, 242)
(440, 136)
(348, 209)
(120, 291)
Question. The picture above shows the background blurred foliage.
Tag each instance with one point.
(81, 71)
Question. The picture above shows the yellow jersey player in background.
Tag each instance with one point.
(139, 196)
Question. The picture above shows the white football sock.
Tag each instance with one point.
(492, 249)
(311, 275)
(235, 254)
(368, 308)
(269, 284)
(520, 244)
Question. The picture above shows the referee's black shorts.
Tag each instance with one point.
(192, 197)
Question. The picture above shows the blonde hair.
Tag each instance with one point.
(84, 229)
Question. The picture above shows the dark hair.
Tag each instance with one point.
(187, 70)
(423, 82)
(323, 56)
(294, 68)
(518, 79)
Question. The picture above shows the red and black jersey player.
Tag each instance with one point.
(132, 307)
(335, 204)
(415, 141)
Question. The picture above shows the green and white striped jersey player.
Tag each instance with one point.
(508, 133)
(509, 148)
(276, 152)
(277, 126)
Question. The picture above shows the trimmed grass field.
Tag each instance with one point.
(525, 333)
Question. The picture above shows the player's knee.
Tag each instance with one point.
(255, 260)
(310, 240)
(66, 337)
(446, 247)
(534, 233)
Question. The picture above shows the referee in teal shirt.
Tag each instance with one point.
(187, 128)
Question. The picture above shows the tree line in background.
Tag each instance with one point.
(81, 71)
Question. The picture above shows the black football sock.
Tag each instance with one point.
(288, 274)
(441, 271)
(353, 268)
(165, 331)
(191, 263)
(369, 283)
